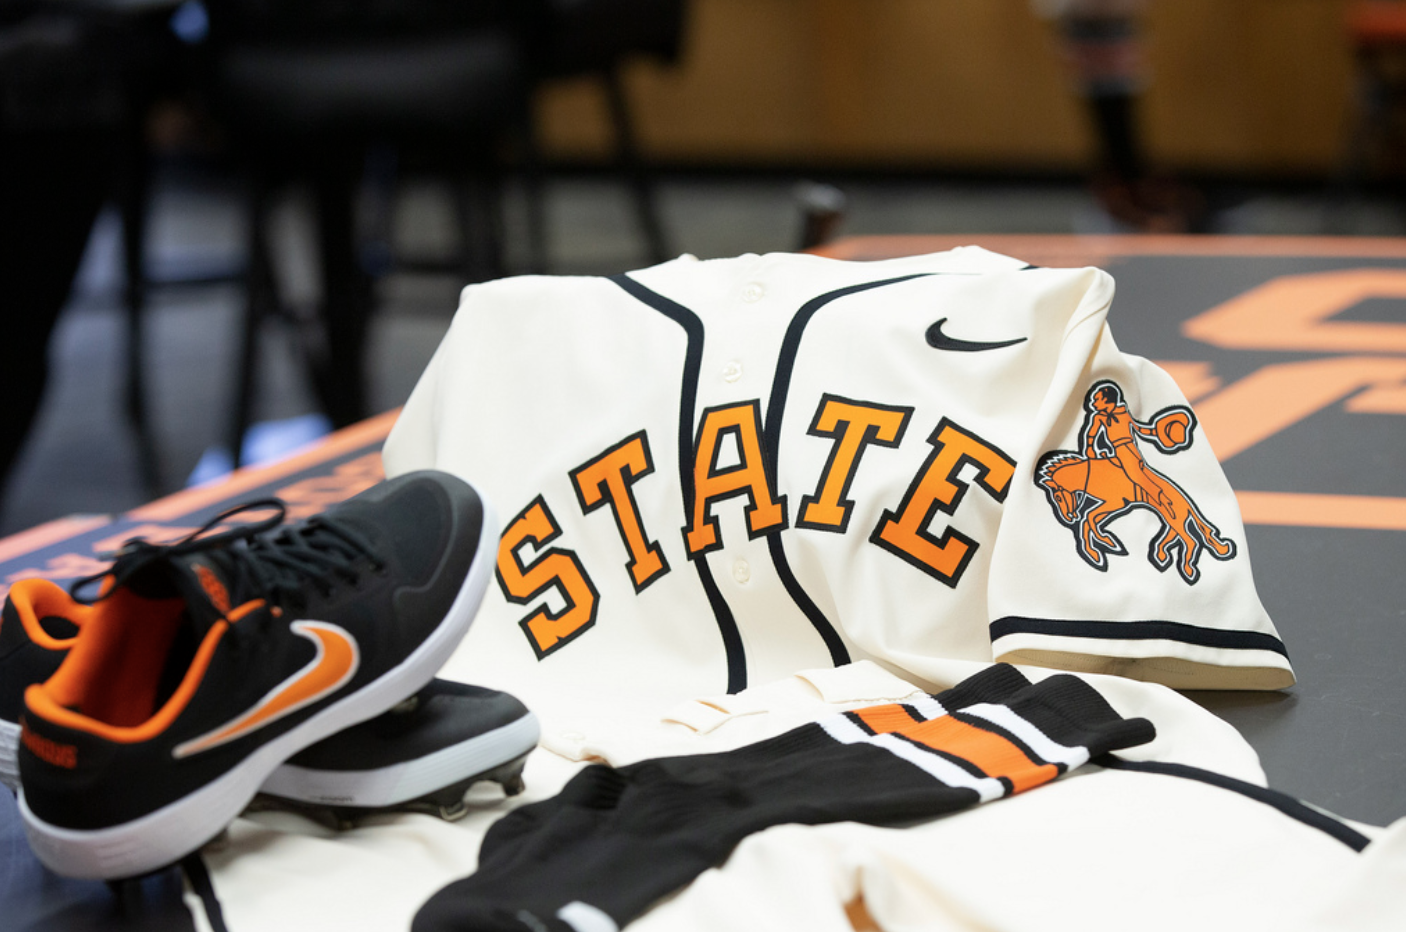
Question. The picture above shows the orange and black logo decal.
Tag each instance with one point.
(1109, 477)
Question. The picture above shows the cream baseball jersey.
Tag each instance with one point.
(715, 473)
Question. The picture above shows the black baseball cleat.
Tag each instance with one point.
(37, 628)
(207, 663)
(422, 754)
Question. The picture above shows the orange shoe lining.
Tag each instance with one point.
(36, 598)
(107, 686)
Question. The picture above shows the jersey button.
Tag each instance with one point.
(732, 371)
(741, 572)
(752, 292)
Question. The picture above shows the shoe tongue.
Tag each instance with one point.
(198, 580)
(213, 584)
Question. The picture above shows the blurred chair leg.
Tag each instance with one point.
(534, 191)
(133, 189)
(259, 294)
(340, 375)
(376, 249)
(822, 212)
(1348, 185)
(480, 207)
(646, 208)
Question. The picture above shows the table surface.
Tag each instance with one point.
(1293, 353)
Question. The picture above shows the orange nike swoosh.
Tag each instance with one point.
(337, 659)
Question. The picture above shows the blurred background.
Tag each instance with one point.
(235, 214)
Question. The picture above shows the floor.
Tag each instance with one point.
(81, 458)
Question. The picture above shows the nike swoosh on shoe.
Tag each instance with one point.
(336, 661)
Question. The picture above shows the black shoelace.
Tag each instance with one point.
(255, 559)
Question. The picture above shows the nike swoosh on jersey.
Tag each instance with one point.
(939, 340)
(335, 662)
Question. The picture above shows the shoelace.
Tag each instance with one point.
(253, 557)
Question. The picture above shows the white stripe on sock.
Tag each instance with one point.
(1034, 738)
(583, 917)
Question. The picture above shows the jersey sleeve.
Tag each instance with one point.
(1129, 557)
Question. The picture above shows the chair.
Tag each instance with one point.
(319, 91)
(305, 91)
(75, 79)
(595, 37)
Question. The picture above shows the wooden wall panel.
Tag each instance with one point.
(1250, 84)
(1237, 85)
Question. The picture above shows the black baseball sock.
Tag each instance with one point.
(616, 840)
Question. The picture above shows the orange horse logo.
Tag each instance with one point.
(1108, 477)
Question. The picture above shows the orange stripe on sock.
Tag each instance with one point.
(993, 754)
(883, 719)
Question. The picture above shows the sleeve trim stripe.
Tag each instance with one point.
(1139, 631)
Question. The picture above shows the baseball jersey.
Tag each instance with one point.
(715, 473)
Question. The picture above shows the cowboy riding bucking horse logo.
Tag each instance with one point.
(1108, 477)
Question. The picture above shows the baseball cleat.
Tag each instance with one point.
(423, 755)
(37, 628)
(207, 663)
(446, 735)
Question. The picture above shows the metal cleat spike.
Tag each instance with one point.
(509, 776)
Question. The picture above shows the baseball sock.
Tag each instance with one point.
(616, 840)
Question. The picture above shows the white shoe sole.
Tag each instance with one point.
(400, 783)
(9, 754)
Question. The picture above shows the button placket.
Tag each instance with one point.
(742, 572)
